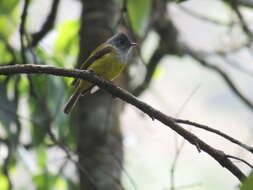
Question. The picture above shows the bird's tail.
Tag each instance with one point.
(72, 101)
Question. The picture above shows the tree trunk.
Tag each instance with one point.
(96, 117)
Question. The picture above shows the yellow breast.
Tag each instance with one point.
(108, 67)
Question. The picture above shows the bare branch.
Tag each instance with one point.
(241, 160)
(247, 3)
(22, 29)
(47, 26)
(235, 6)
(151, 67)
(201, 126)
(201, 17)
(218, 155)
(223, 75)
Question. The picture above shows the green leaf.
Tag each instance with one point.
(4, 185)
(61, 184)
(24, 86)
(248, 183)
(38, 109)
(6, 6)
(67, 39)
(48, 105)
(41, 156)
(139, 11)
(8, 21)
(72, 185)
(45, 181)
(56, 89)
(5, 26)
(7, 108)
(5, 56)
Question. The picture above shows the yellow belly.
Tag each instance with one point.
(108, 67)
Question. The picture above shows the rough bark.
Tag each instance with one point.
(97, 116)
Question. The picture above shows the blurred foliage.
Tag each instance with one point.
(8, 17)
(5, 55)
(67, 39)
(139, 12)
(3, 182)
(248, 183)
(31, 105)
(7, 6)
(48, 181)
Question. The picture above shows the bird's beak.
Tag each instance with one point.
(133, 44)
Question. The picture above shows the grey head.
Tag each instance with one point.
(122, 44)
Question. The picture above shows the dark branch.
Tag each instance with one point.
(10, 49)
(70, 156)
(222, 74)
(231, 139)
(151, 67)
(247, 3)
(200, 16)
(167, 45)
(47, 26)
(22, 29)
(218, 155)
(234, 4)
(241, 160)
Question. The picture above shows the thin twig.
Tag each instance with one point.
(7, 163)
(174, 164)
(23, 36)
(151, 67)
(205, 127)
(181, 146)
(234, 4)
(222, 74)
(200, 16)
(9, 48)
(22, 29)
(70, 157)
(236, 65)
(247, 3)
(47, 26)
(189, 186)
(236, 158)
(218, 155)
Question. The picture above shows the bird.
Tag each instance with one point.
(107, 61)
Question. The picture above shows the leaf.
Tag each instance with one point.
(61, 184)
(4, 185)
(72, 185)
(158, 73)
(41, 156)
(5, 56)
(5, 26)
(139, 11)
(38, 109)
(23, 86)
(7, 108)
(8, 21)
(45, 181)
(47, 105)
(6, 6)
(67, 40)
(248, 183)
